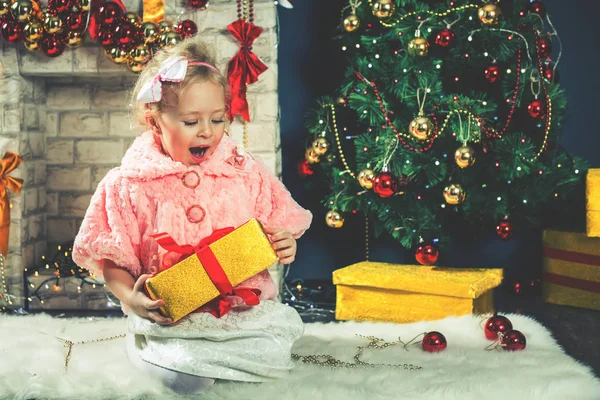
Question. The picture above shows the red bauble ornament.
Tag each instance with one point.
(427, 254)
(538, 7)
(128, 34)
(504, 230)
(492, 73)
(60, 6)
(11, 31)
(197, 3)
(304, 169)
(544, 44)
(74, 22)
(434, 341)
(536, 109)
(52, 45)
(496, 324)
(445, 37)
(109, 12)
(385, 184)
(549, 73)
(107, 37)
(512, 340)
(187, 28)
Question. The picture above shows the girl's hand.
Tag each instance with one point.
(144, 306)
(284, 245)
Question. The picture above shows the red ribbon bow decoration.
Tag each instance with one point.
(244, 67)
(219, 306)
(9, 163)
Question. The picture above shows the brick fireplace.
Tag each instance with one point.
(68, 118)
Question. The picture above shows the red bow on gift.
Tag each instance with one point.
(244, 67)
(219, 306)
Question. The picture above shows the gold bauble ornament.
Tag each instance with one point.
(383, 9)
(334, 219)
(464, 156)
(149, 31)
(490, 14)
(311, 156)
(320, 146)
(52, 24)
(454, 194)
(33, 31)
(351, 23)
(84, 5)
(421, 128)
(140, 53)
(365, 178)
(23, 10)
(117, 55)
(341, 101)
(31, 46)
(4, 7)
(418, 47)
(133, 18)
(164, 26)
(135, 66)
(74, 39)
(169, 39)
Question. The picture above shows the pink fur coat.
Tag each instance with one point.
(151, 193)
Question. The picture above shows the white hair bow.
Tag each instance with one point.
(172, 70)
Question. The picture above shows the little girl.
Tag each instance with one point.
(186, 177)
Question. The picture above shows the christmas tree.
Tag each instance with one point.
(447, 123)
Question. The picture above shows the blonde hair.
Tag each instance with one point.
(194, 50)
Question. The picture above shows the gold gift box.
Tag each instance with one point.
(571, 269)
(592, 194)
(186, 286)
(374, 291)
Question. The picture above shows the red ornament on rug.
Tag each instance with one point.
(187, 28)
(11, 30)
(496, 324)
(304, 169)
(385, 184)
(536, 109)
(538, 7)
(544, 44)
(434, 341)
(427, 254)
(445, 37)
(513, 340)
(504, 230)
(197, 4)
(492, 73)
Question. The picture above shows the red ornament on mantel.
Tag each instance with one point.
(56, 7)
(197, 4)
(496, 324)
(427, 254)
(52, 45)
(109, 13)
(434, 341)
(187, 28)
(11, 30)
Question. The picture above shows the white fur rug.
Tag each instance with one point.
(32, 365)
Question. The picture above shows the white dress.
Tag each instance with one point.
(251, 345)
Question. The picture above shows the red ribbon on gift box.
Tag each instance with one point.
(219, 306)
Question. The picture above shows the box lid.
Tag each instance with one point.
(576, 242)
(455, 282)
(592, 189)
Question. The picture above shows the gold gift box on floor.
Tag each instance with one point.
(571, 269)
(185, 287)
(592, 194)
(375, 291)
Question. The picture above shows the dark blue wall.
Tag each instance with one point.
(308, 70)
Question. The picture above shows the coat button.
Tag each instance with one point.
(191, 179)
(195, 214)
